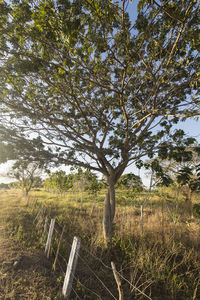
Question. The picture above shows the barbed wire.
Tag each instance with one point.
(89, 269)
(85, 287)
(97, 277)
(96, 258)
(108, 267)
(76, 293)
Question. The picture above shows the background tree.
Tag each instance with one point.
(85, 180)
(130, 181)
(99, 90)
(59, 181)
(93, 184)
(4, 186)
(27, 174)
(179, 167)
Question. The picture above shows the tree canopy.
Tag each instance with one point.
(100, 90)
(130, 181)
(27, 174)
(181, 168)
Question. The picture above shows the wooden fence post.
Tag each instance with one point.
(34, 204)
(142, 223)
(39, 213)
(45, 225)
(48, 243)
(41, 218)
(58, 249)
(118, 281)
(67, 286)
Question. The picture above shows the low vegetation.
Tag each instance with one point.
(158, 258)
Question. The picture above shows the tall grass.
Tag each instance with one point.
(162, 260)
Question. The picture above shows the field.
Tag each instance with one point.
(156, 254)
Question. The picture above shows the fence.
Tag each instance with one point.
(51, 229)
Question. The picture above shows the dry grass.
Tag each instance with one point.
(162, 261)
(32, 279)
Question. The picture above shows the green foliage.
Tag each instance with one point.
(179, 163)
(130, 181)
(13, 146)
(4, 186)
(92, 183)
(27, 174)
(196, 209)
(59, 181)
(73, 67)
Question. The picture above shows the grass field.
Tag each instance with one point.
(157, 258)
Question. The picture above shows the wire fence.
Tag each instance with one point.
(101, 284)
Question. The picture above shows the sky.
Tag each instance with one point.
(4, 169)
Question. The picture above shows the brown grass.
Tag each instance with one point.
(163, 261)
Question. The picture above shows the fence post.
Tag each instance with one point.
(58, 249)
(67, 286)
(34, 204)
(142, 223)
(45, 225)
(38, 214)
(118, 281)
(48, 243)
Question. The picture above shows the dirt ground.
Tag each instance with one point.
(24, 274)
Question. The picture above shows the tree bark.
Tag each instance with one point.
(26, 196)
(109, 211)
(112, 200)
(187, 192)
(107, 218)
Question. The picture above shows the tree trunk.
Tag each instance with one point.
(112, 200)
(109, 211)
(188, 199)
(26, 196)
(107, 218)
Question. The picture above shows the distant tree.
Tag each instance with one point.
(93, 185)
(100, 89)
(181, 167)
(59, 181)
(27, 175)
(85, 180)
(130, 181)
(4, 186)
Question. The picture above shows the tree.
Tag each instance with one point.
(179, 167)
(99, 90)
(93, 185)
(28, 175)
(182, 168)
(86, 180)
(59, 181)
(130, 181)
(13, 147)
(4, 186)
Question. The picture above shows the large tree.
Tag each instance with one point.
(100, 89)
